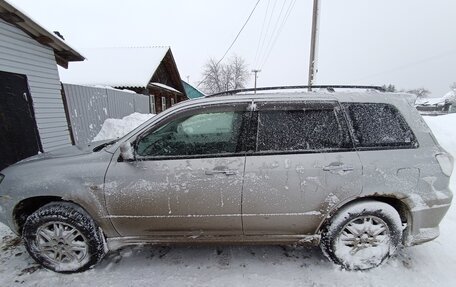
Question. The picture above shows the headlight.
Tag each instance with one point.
(1, 177)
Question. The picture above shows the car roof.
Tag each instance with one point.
(356, 96)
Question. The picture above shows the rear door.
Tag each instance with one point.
(304, 163)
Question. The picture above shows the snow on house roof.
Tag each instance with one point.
(20, 19)
(450, 96)
(160, 85)
(116, 67)
(429, 101)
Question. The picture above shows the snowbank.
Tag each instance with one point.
(115, 128)
(444, 129)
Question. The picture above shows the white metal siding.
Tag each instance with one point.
(89, 107)
(20, 54)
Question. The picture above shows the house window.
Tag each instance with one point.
(152, 104)
(163, 103)
(172, 101)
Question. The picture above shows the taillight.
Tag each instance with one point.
(446, 163)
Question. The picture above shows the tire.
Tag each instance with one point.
(362, 235)
(62, 237)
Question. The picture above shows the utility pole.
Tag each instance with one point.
(314, 43)
(256, 71)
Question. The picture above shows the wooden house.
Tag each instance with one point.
(146, 70)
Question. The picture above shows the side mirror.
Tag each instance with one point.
(126, 151)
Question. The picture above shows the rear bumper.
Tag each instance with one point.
(425, 224)
(424, 235)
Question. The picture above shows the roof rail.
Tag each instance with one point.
(327, 87)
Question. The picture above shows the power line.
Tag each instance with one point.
(261, 33)
(267, 31)
(235, 39)
(276, 25)
(285, 19)
(411, 64)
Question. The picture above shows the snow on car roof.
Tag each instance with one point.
(116, 66)
(344, 96)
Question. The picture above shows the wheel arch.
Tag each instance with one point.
(400, 206)
(28, 206)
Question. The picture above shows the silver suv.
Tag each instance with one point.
(358, 173)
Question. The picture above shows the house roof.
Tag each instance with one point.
(64, 53)
(191, 91)
(116, 67)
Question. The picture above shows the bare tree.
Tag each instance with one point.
(389, 88)
(223, 77)
(453, 86)
(420, 93)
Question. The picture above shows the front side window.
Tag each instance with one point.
(379, 125)
(305, 128)
(206, 133)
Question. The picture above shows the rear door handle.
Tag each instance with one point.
(338, 168)
(225, 171)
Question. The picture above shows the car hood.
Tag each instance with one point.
(69, 151)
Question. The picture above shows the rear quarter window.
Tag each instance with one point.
(377, 125)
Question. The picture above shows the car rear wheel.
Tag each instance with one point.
(62, 237)
(362, 235)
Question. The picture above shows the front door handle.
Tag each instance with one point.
(217, 171)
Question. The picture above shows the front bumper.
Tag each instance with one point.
(5, 212)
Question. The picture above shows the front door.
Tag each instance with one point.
(304, 163)
(186, 178)
(18, 132)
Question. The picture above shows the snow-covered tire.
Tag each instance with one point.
(362, 235)
(62, 237)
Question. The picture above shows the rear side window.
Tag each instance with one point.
(379, 126)
(300, 129)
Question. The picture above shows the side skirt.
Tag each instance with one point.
(118, 242)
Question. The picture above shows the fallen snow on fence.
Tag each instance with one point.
(116, 128)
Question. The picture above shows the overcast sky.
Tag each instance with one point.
(409, 43)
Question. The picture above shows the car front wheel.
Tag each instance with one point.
(362, 235)
(62, 237)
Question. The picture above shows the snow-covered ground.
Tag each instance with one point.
(431, 264)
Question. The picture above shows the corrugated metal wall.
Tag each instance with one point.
(89, 107)
(22, 55)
